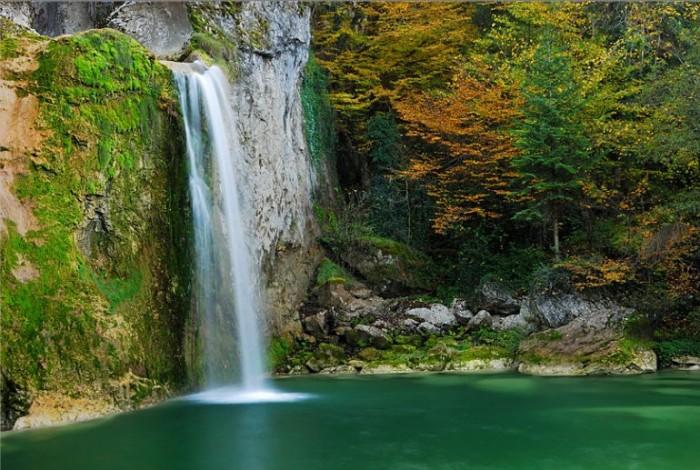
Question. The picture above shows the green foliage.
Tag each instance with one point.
(553, 148)
(318, 113)
(9, 47)
(666, 350)
(331, 273)
(278, 352)
(506, 340)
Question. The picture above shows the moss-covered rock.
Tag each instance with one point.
(108, 251)
(570, 350)
(388, 266)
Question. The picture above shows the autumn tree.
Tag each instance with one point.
(550, 138)
(465, 158)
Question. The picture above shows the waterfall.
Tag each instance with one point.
(227, 279)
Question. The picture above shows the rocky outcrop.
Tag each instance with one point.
(685, 362)
(56, 18)
(270, 41)
(496, 298)
(400, 335)
(591, 344)
(162, 27)
(20, 13)
(95, 274)
(389, 267)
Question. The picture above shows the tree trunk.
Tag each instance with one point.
(556, 237)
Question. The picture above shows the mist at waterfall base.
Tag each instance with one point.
(227, 279)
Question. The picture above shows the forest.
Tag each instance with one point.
(525, 143)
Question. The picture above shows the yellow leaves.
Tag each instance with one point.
(465, 168)
(589, 273)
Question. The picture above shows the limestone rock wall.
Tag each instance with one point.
(266, 46)
(280, 174)
(94, 269)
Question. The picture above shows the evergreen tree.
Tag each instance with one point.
(550, 138)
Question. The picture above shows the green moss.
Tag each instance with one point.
(507, 341)
(9, 48)
(210, 41)
(486, 352)
(318, 113)
(278, 353)
(102, 108)
(331, 273)
(118, 290)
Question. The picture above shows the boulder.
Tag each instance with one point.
(588, 345)
(685, 362)
(428, 329)
(481, 319)
(638, 362)
(497, 299)
(364, 335)
(163, 28)
(318, 324)
(524, 321)
(556, 304)
(437, 314)
(461, 312)
(408, 326)
(334, 295)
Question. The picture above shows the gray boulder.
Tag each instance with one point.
(428, 329)
(524, 321)
(437, 314)
(408, 325)
(162, 27)
(497, 299)
(553, 310)
(482, 318)
(20, 13)
(318, 324)
(364, 335)
(686, 362)
(461, 312)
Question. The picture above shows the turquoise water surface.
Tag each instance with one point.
(406, 422)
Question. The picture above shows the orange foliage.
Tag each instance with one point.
(586, 273)
(464, 161)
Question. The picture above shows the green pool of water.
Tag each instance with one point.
(407, 422)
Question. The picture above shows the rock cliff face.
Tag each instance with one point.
(94, 269)
(279, 171)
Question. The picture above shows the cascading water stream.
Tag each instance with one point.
(227, 275)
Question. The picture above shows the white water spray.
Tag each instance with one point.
(227, 273)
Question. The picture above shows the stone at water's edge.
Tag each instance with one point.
(591, 344)
(685, 362)
(484, 365)
(639, 362)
